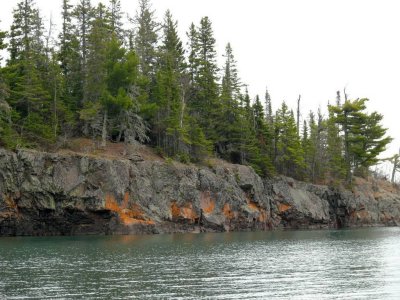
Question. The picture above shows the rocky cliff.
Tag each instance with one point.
(64, 194)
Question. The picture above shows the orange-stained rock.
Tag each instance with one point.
(175, 210)
(227, 211)
(188, 212)
(282, 207)
(253, 206)
(263, 216)
(127, 214)
(111, 203)
(185, 212)
(126, 199)
(9, 200)
(206, 203)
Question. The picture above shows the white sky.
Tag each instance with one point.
(307, 47)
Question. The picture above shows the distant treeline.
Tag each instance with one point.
(96, 79)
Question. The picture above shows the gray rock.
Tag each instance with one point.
(65, 194)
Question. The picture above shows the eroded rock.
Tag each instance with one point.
(65, 194)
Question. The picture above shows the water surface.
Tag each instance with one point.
(337, 264)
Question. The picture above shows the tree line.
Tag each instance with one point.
(97, 79)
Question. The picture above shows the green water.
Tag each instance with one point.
(346, 264)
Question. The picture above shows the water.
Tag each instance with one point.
(347, 264)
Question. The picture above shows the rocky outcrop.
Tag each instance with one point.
(65, 194)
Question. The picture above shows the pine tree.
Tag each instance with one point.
(25, 75)
(70, 60)
(171, 124)
(336, 163)
(115, 19)
(112, 86)
(7, 134)
(83, 14)
(289, 154)
(268, 108)
(263, 139)
(96, 74)
(205, 102)
(228, 124)
(146, 38)
(364, 136)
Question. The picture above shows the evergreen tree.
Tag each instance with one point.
(193, 51)
(263, 139)
(25, 76)
(171, 125)
(7, 134)
(289, 154)
(228, 125)
(115, 18)
(70, 61)
(146, 38)
(205, 102)
(364, 136)
(96, 75)
(268, 108)
(336, 163)
(83, 14)
(112, 81)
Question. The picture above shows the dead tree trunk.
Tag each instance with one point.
(298, 115)
(104, 131)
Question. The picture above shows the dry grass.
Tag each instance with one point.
(92, 148)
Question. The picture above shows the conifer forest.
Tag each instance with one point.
(94, 78)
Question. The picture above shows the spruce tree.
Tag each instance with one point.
(205, 103)
(7, 134)
(263, 160)
(171, 124)
(70, 60)
(25, 76)
(289, 153)
(115, 18)
(146, 38)
(83, 13)
(336, 162)
(228, 124)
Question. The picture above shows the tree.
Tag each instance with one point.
(268, 108)
(263, 137)
(364, 136)
(336, 162)
(25, 75)
(204, 103)
(289, 154)
(70, 60)
(112, 86)
(228, 124)
(115, 18)
(171, 123)
(395, 160)
(146, 38)
(6, 131)
(83, 13)
(96, 74)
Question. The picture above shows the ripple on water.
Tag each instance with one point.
(349, 264)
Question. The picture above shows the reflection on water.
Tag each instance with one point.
(346, 264)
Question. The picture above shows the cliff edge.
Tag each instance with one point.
(70, 193)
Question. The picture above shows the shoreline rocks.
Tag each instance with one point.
(70, 194)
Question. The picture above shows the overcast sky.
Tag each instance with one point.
(307, 47)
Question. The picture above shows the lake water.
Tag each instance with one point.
(336, 264)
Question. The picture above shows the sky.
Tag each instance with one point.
(310, 48)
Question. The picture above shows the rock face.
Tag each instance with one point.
(56, 194)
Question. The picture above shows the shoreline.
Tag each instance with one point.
(52, 194)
